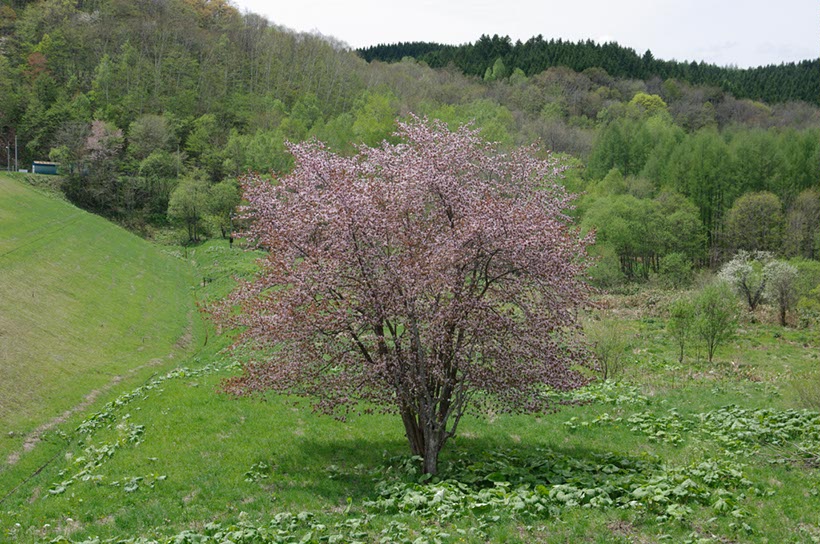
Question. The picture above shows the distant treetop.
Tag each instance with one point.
(774, 83)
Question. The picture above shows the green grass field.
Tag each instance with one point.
(84, 306)
(668, 452)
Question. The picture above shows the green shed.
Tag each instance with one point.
(41, 167)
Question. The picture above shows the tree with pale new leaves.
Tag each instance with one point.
(420, 278)
(188, 204)
(781, 286)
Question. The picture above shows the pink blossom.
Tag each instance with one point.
(422, 277)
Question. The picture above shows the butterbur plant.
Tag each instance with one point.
(421, 277)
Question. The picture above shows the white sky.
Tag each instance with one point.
(739, 32)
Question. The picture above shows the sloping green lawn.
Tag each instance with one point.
(84, 306)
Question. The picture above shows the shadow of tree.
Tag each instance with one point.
(353, 467)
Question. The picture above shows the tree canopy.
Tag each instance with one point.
(774, 83)
(419, 277)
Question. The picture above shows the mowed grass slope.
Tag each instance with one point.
(84, 305)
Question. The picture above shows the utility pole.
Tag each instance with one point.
(8, 158)
(16, 168)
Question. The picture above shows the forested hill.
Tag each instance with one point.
(63, 63)
(774, 83)
(153, 108)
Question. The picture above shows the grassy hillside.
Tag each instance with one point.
(84, 306)
(670, 452)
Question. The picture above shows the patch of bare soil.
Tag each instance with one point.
(184, 341)
(36, 435)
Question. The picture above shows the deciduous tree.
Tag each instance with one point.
(803, 226)
(421, 278)
(755, 222)
(148, 134)
(223, 198)
(715, 316)
(98, 187)
(781, 286)
(188, 204)
(744, 274)
(681, 323)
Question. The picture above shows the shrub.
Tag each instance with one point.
(675, 271)
(681, 323)
(610, 344)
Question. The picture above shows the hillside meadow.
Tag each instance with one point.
(663, 451)
(84, 306)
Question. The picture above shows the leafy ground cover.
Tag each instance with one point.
(213, 468)
(666, 451)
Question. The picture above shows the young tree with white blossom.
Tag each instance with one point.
(419, 278)
(745, 275)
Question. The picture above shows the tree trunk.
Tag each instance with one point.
(432, 447)
(427, 444)
(412, 430)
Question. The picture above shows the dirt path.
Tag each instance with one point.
(34, 437)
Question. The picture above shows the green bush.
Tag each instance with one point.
(610, 344)
(606, 273)
(675, 271)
